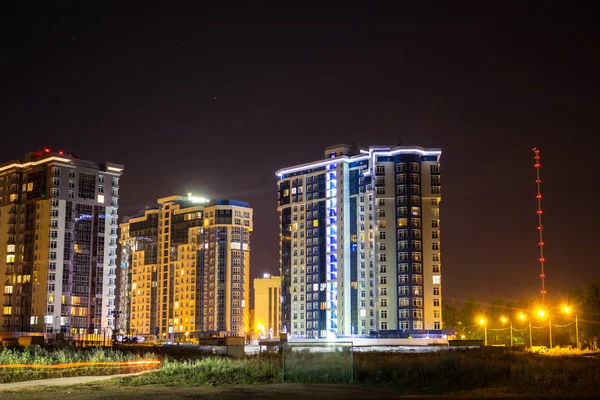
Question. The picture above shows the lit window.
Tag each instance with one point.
(100, 198)
(437, 279)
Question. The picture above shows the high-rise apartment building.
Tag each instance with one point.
(138, 274)
(185, 268)
(360, 243)
(267, 295)
(58, 242)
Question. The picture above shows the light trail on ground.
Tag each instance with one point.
(84, 364)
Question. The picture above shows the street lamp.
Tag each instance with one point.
(522, 317)
(261, 331)
(504, 320)
(542, 313)
(567, 310)
(482, 322)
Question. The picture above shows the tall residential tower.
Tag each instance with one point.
(360, 243)
(58, 243)
(185, 268)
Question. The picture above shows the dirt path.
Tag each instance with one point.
(73, 380)
(111, 390)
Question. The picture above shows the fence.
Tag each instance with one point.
(317, 362)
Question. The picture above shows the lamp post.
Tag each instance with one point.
(482, 322)
(576, 330)
(542, 314)
(522, 316)
(567, 310)
(550, 329)
(504, 320)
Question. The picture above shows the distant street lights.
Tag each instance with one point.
(540, 313)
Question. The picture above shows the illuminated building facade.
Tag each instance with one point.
(267, 295)
(138, 274)
(200, 278)
(360, 243)
(58, 243)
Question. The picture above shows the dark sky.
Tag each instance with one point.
(215, 99)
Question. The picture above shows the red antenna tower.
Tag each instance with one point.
(540, 228)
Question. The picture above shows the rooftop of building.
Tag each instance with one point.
(141, 214)
(268, 276)
(349, 153)
(190, 200)
(49, 155)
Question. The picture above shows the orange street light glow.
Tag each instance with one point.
(566, 309)
(522, 316)
(482, 321)
(541, 313)
(83, 364)
(503, 319)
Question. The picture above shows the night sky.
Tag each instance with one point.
(214, 99)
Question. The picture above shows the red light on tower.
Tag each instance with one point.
(46, 150)
(540, 228)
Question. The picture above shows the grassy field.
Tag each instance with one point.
(430, 373)
(493, 372)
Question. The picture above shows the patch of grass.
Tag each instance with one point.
(21, 375)
(565, 351)
(456, 370)
(210, 372)
(36, 355)
(40, 355)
